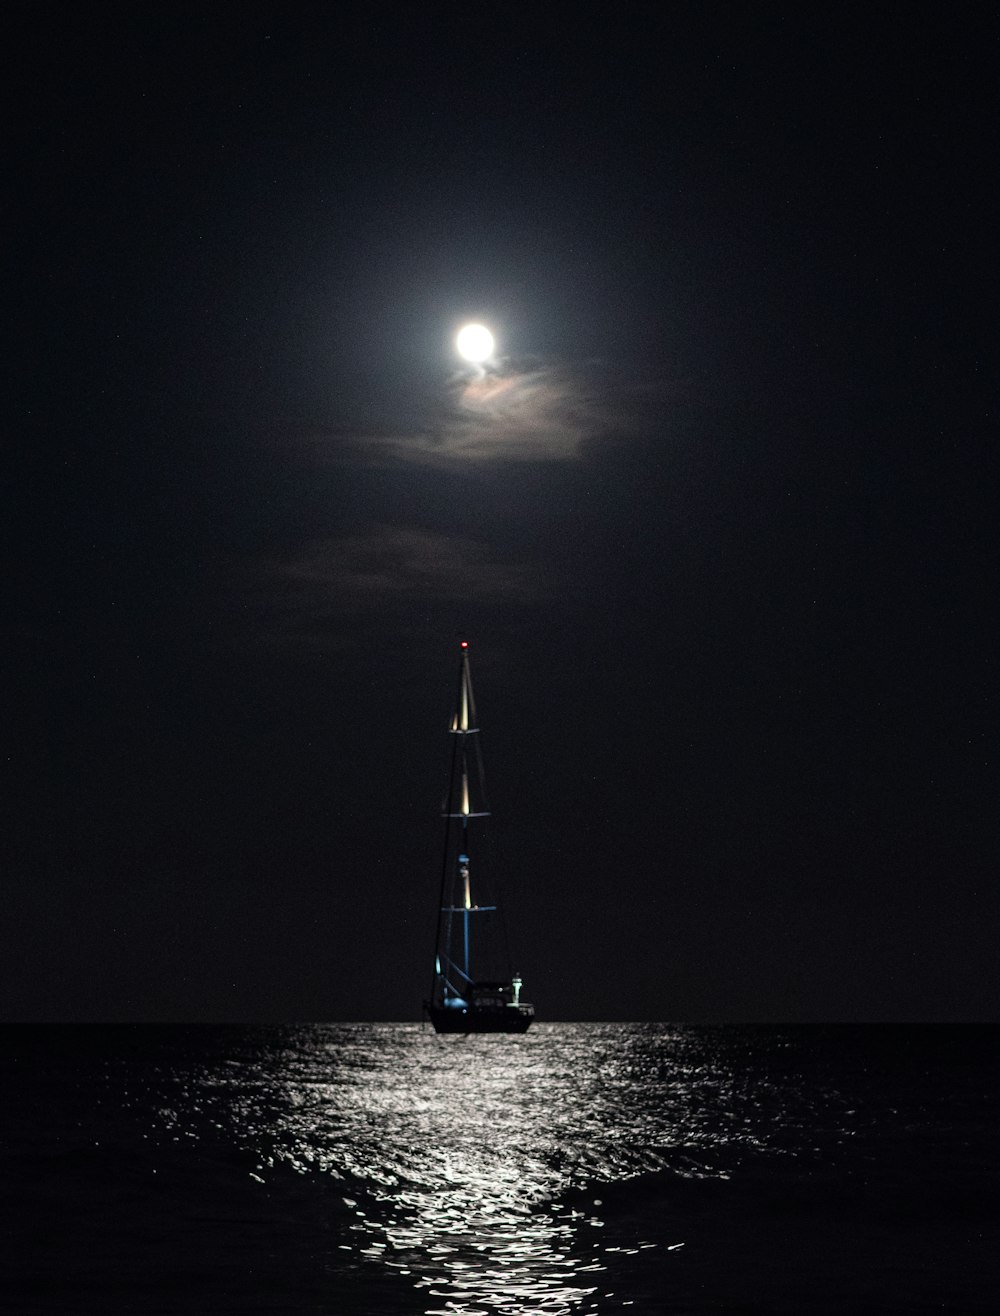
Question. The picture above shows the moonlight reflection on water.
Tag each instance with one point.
(456, 1154)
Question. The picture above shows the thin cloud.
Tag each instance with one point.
(540, 414)
(306, 598)
(513, 412)
(404, 563)
(516, 413)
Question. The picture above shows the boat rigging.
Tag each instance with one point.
(473, 989)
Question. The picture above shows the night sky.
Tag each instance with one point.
(718, 523)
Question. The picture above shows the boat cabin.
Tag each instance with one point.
(490, 995)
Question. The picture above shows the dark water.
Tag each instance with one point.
(582, 1168)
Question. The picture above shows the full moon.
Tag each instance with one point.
(475, 342)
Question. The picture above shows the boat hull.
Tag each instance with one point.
(505, 1020)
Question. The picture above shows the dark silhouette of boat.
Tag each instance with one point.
(473, 990)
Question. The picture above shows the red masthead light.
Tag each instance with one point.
(465, 644)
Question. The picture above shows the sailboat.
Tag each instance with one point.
(473, 990)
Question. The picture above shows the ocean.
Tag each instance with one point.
(581, 1168)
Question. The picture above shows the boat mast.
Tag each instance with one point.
(462, 730)
(462, 727)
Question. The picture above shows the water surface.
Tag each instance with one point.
(580, 1168)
